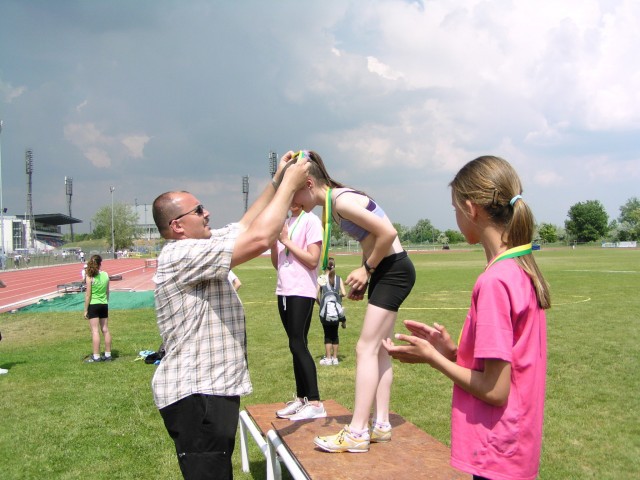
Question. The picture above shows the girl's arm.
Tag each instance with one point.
(309, 256)
(491, 385)
(343, 292)
(108, 289)
(87, 297)
(380, 229)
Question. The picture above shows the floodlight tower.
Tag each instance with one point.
(1, 207)
(273, 163)
(68, 183)
(28, 160)
(245, 191)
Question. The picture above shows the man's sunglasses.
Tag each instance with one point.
(199, 210)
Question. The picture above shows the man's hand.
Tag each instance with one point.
(294, 174)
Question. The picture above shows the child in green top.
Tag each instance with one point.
(96, 309)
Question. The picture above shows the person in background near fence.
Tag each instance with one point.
(295, 256)
(330, 292)
(390, 275)
(198, 384)
(235, 281)
(96, 309)
(83, 274)
(499, 365)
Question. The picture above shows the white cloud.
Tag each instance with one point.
(376, 66)
(602, 169)
(547, 178)
(97, 156)
(81, 106)
(9, 93)
(99, 148)
(135, 144)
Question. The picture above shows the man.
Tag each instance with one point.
(198, 384)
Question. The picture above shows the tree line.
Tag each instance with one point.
(586, 222)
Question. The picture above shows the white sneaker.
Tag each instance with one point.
(309, 411)
(334, 361)
(3, 371)
(325, 361)
(292, 407)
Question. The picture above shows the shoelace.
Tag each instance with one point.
(341, 435)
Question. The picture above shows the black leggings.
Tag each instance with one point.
(295, 313)
(331, 333)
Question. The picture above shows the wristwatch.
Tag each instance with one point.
(369, 268)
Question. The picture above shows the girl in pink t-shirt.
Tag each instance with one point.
(499, 365)
(295, 256)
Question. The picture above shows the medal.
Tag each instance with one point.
(322, 280)
(286, 250)
(326, 237)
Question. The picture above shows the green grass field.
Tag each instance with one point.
(64, 419)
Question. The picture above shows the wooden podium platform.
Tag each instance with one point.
(412, 453)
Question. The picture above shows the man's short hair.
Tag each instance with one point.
(163, 210)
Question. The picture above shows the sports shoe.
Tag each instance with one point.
(344, 441)
(334, 361)
(309, 411)
(3, 371)
(90, 359)
(379, 435)
(325, 361)
(291, 408)
(108, 359)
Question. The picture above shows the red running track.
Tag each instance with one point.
(29, 285)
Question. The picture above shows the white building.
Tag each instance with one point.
(17, 234)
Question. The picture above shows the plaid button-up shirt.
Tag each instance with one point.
(201, 321)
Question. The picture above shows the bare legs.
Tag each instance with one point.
(97, 325)
(330, 350)
(374, 373)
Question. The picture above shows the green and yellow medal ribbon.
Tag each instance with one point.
(295, 224)
(511, 253)
(300, 155)
(326, 235)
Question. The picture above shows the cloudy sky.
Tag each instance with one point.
(156, 95)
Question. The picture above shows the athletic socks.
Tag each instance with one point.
(359, 433)
(382, 425)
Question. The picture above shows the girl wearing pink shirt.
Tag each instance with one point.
(499, 365)
(295, 256)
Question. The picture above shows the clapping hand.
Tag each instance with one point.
(424, 343)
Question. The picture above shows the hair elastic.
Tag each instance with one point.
(514, 200)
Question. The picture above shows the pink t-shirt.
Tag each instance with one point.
(505, 323)
(294, 278)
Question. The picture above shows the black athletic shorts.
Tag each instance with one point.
(98, 310)
(392, 281)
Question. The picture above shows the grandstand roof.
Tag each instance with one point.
(53, 219)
